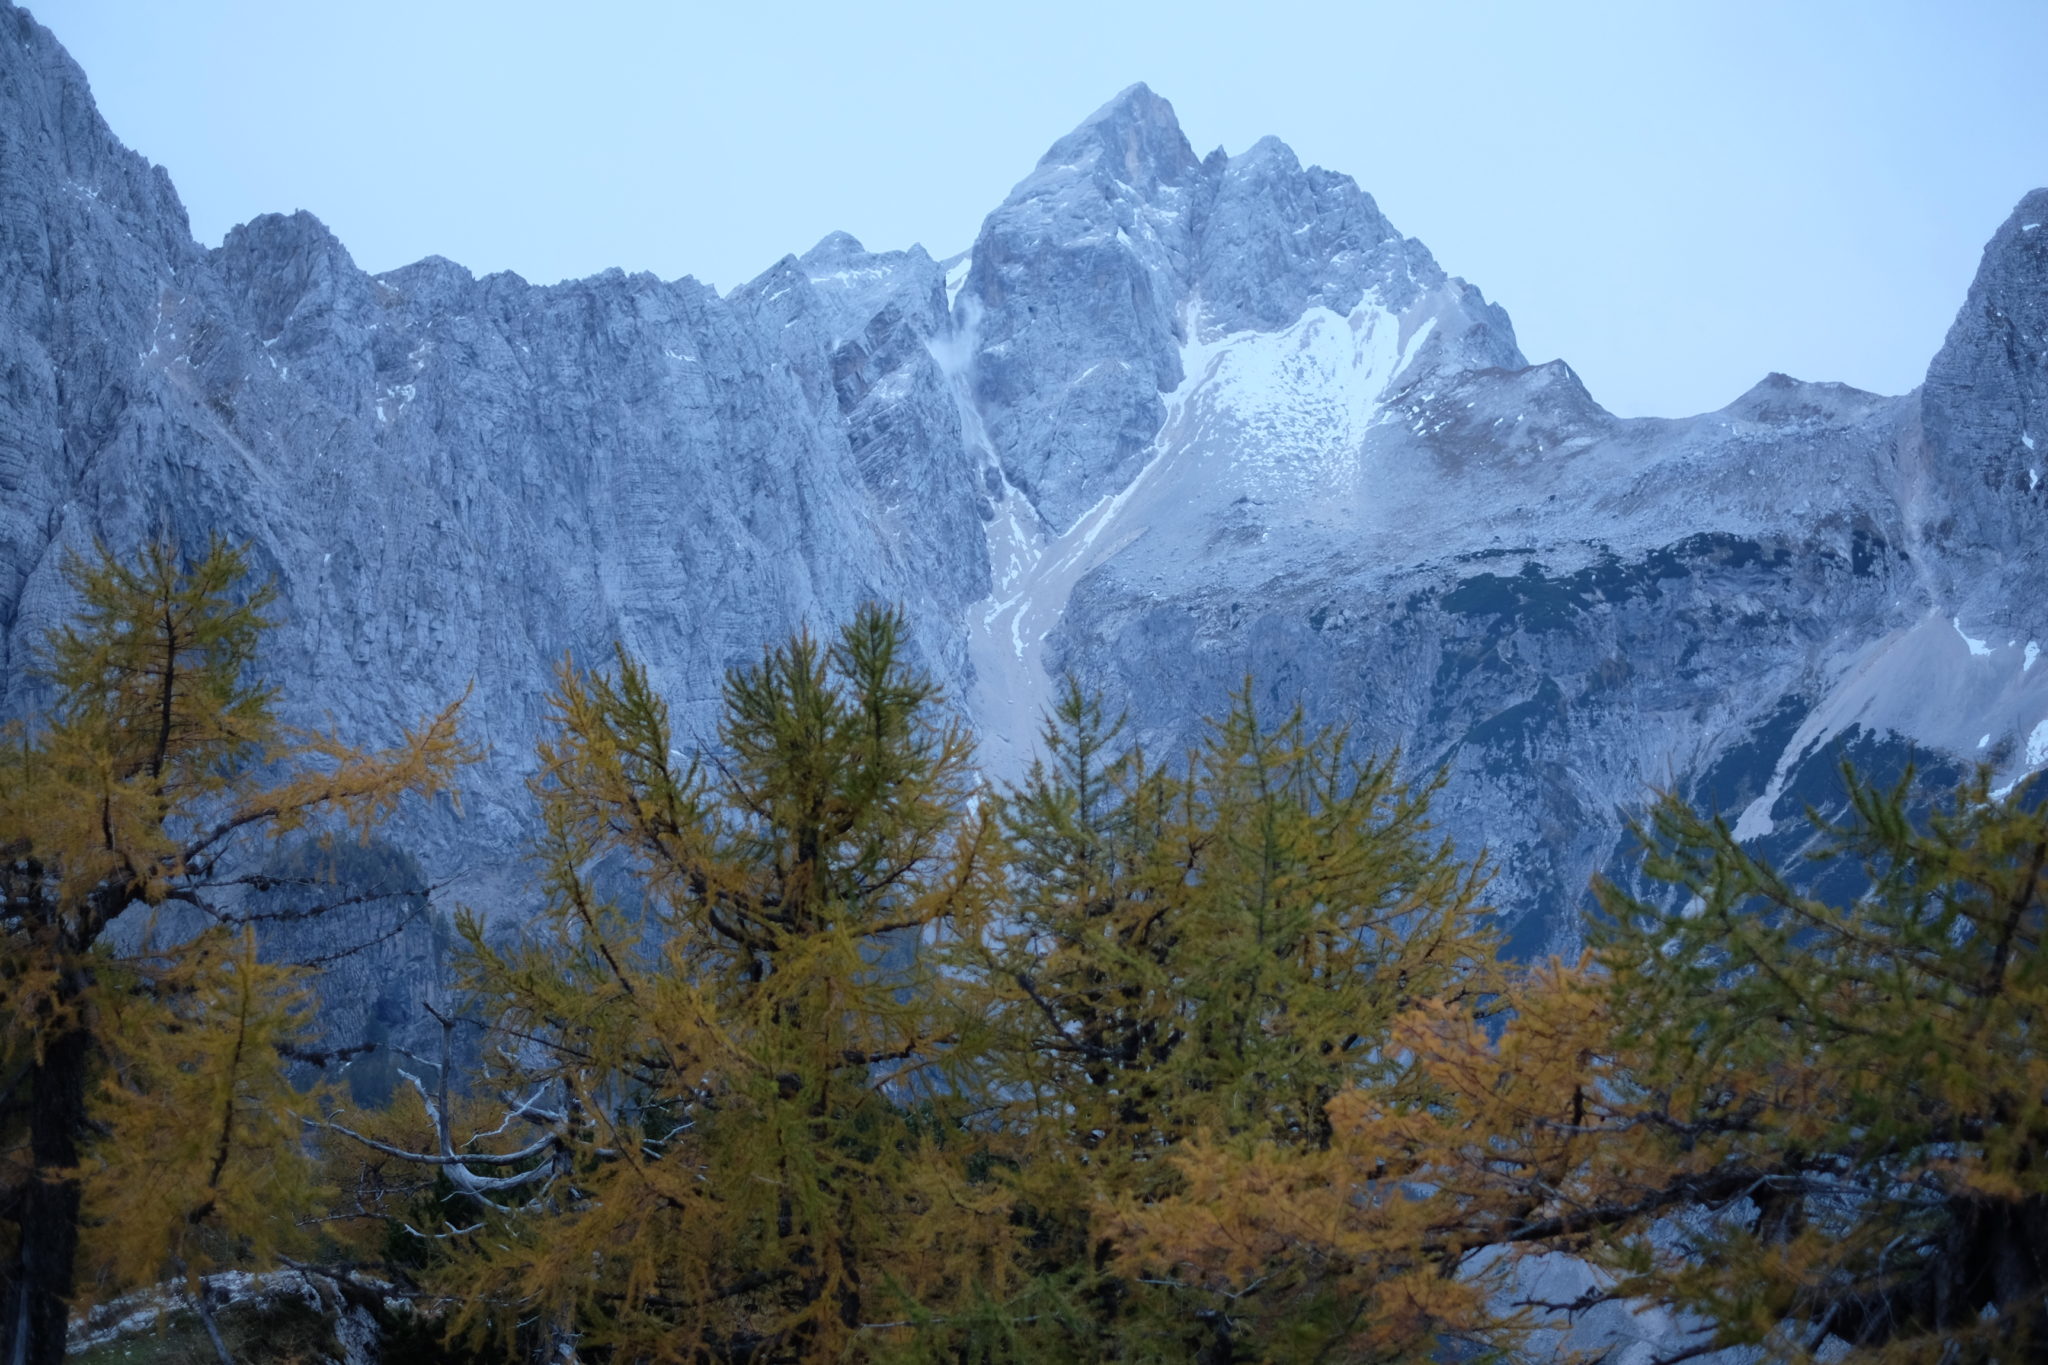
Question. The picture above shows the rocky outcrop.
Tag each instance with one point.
(1984, 413)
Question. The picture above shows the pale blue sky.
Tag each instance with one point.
(1675, 198)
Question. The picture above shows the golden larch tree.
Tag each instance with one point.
(142, 1085)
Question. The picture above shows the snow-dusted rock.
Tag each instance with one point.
(1170, 420)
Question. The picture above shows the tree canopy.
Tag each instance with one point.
(1809, 1129)
(823, 1048)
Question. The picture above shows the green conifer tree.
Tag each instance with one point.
(745, 1054)
(1212, 955)
(1815, 1130)
(1875, 1069)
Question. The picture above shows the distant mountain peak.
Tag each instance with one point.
(1268, 148)
(1170, 422)
(1135, 138)
(834, 246)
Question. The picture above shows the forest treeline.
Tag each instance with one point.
(821, 1049)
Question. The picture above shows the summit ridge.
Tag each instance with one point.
(1169, 421)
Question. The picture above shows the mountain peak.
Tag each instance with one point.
(1136, 98)
(834, 246)
(1135, 138)
(1268, 148)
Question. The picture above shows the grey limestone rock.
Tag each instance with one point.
(1984, 410)
(1092, 278)
(1171, 420)
(459, 481)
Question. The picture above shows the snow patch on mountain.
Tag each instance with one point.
(2037, 746)
(1286, 413)
(1270, 416)
(1937, 687)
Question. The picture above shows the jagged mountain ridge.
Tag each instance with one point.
(451, 478)
(1355, 490)
(1170, 419)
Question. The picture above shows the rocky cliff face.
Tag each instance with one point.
(1985, 404)
(1170, 421)
(1122, 250)
(453, 479)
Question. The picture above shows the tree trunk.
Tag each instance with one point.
(49, 1205)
